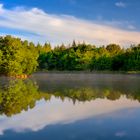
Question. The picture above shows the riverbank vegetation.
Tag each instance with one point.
(19, 57)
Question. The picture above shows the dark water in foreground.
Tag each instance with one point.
(70, 107)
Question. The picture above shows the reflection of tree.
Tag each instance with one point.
(18, 95)
(88, 94)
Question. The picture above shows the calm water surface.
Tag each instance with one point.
(56, 106)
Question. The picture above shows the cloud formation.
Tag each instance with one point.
(63, 28)
(120, 4)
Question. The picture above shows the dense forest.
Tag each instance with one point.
(22, 57)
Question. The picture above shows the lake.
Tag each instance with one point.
(70, 106)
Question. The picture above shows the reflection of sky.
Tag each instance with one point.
(58, 112)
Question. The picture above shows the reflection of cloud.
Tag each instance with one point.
(58, 28)
(55, 111)
(120, 134)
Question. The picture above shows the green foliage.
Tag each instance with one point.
(21, 57)
(17, 57)
(113, 48)
(1, 57)
(87, 57)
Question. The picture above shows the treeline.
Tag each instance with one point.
(22, 57)
(83, 56)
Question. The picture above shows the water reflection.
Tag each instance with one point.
(55, 112)
(41, 106)
(17, 95)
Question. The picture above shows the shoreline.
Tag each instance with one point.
(94, 72)
(24, 76)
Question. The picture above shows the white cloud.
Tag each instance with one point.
(120, 4)
(63, 28)
(1, 8)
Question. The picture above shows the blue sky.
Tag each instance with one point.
(57, 21)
